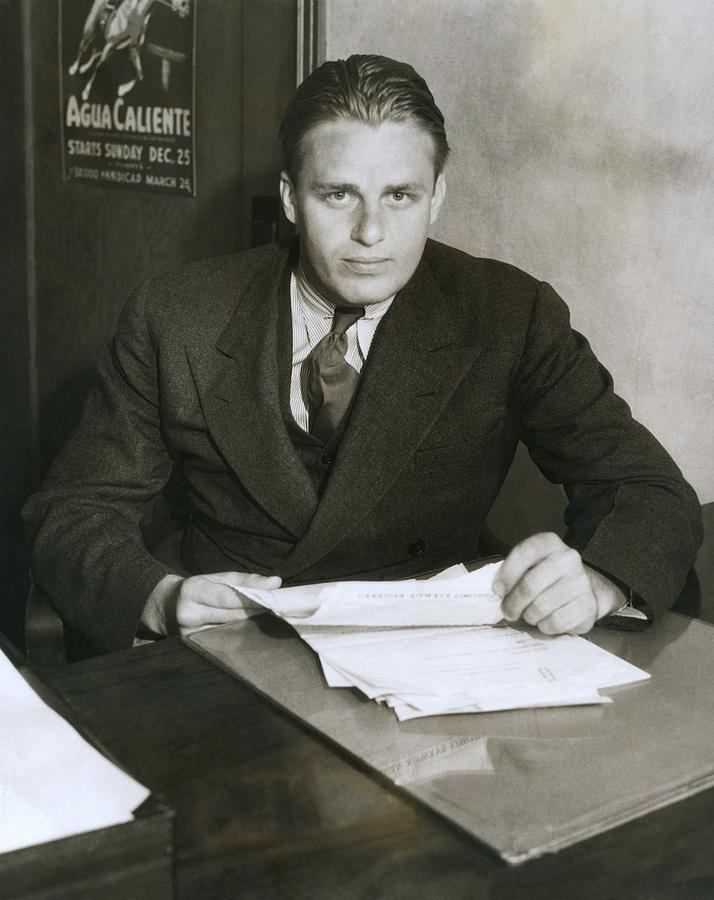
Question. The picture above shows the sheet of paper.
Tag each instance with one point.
(52, 782)
(457, 597)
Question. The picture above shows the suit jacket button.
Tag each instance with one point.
(417, 548)
(324, 459)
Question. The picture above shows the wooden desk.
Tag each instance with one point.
(266, 809)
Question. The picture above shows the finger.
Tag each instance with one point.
(565, 590)
(193, 616)
(198, 591)
(530, 592)
(545, 605)
(246, 579)
(522, 557)
(224, 589)
(553, 581)
(576, 617)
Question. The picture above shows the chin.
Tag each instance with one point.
(364, 294)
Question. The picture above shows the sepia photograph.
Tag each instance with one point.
(357, 522)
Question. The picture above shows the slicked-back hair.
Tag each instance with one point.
(363, 88)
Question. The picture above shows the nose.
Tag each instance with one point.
(368, 229)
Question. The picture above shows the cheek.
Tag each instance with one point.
(322, 236)
(414, 225)
(411, 237)
(318, 245)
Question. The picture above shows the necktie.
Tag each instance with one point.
(332, 381)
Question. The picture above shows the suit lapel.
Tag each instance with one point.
(238, 381)
(414, 366)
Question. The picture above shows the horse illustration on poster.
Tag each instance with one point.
(113, 25)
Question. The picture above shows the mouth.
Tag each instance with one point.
(365, 263)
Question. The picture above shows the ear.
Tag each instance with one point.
(437, 197)
(287, 196)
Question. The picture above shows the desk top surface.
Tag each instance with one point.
(267, 809)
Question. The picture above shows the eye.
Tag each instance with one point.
(400, 197)
(338, 196)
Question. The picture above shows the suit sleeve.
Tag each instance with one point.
(88, 552)
(630, 513)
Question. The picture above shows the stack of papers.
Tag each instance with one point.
(53, 784)
(437, 646)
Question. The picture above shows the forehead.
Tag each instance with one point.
(349, 150)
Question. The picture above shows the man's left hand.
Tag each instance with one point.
(545, 583)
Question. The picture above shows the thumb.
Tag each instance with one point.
(265, 582)
(238, 580)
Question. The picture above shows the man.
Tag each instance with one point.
(349, 408)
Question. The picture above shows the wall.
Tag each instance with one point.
(87, 247)
(582, 147)
(94, 245)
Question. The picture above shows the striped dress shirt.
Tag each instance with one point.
(311, 320)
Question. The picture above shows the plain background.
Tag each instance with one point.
(583, 140)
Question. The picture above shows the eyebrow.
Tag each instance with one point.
(334, 186)
(406, 187)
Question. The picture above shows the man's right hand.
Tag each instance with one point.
(182, 605)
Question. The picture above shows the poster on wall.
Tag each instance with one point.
(127, 93)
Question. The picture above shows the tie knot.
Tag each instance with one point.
(345, 317)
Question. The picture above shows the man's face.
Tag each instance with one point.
(364, 199)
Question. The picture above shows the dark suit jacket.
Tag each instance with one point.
(472, 356)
